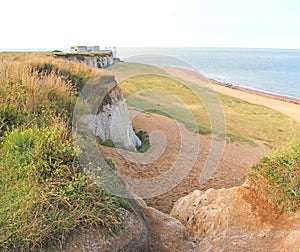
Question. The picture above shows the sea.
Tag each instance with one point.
(274, 71)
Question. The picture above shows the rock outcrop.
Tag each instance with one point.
(166, 233)
(236, 219)
(98, 61)
(112, 120)
(95, 60)
(145, 229)
(133, 237)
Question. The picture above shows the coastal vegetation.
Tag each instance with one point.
(168, 96)
(45, 193)
(277, 177)
(144, 137)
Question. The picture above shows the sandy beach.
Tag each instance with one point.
(288, 106)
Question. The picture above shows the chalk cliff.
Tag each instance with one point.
(112, 120)
(98, 61)
(236, 219)
(95, 60)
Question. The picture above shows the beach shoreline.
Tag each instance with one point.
(256, 92)
(286, 105)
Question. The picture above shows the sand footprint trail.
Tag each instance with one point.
(231, 171)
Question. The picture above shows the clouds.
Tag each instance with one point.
(36, 24)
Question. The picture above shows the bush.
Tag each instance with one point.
(44, 194)
(144, 137)
(9, 117)
(277, 177)
(106, 143)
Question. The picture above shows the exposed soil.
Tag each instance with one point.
(172, 144)
(251, 224)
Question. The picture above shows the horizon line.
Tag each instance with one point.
(146, 47)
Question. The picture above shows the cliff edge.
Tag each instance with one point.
(111, 120)
(236, 219)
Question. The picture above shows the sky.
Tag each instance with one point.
(36, 24)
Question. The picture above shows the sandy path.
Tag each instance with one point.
(168, 146)
(167, 138)
(287, 106)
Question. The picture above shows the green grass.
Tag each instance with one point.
(45, 193)
(166, 96)
(196, 106)
(258, 122)
(277, 177)
(123, 70)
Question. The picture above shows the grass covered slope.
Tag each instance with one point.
(244, 121)
(45, 194)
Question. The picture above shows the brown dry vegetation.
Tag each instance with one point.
(45, 193)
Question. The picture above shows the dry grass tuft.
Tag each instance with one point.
(45, 194)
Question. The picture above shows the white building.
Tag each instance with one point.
(79, 49)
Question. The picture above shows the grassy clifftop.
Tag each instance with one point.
(45, 194)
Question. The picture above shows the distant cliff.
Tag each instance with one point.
(100, 59)
(109, 118)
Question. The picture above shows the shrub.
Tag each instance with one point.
(108, 143)
(111, 164)
(9, 117)
(45, 195)
(277, 177)
(144, 137)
